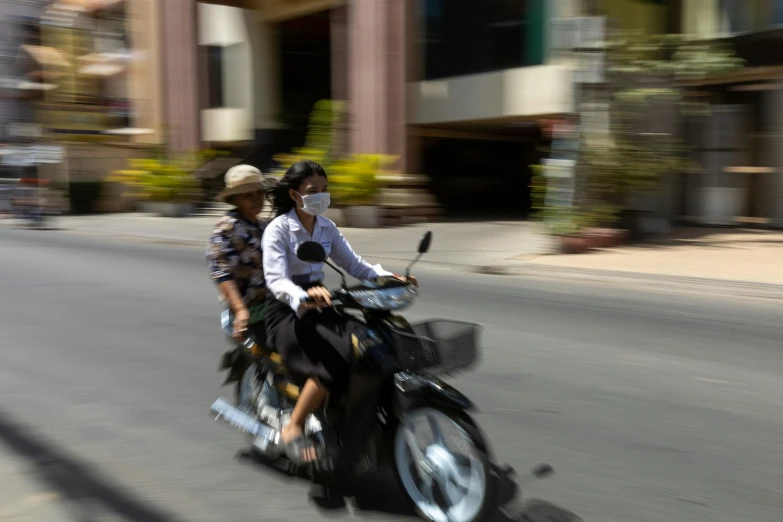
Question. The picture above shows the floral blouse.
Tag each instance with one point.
(234, 254)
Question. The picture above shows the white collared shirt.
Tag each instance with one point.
(282, 238)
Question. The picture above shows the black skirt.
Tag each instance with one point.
(317, 345)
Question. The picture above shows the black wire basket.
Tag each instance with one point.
(437, 346)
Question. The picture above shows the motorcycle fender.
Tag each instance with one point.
(418, 389)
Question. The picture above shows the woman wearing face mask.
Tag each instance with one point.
(314, 340)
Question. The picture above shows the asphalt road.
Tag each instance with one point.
(651, 407)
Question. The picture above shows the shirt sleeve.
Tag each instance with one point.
(221, 255)
(278, 278)
(351, 262)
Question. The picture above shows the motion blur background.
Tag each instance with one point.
(644, 135)
(456, 101)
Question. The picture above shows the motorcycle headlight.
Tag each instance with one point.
(386, 298)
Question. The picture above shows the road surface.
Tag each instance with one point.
(651, 407)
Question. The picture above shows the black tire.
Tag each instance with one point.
(244, 386)
(474, 433)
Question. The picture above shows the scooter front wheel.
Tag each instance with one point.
(441, 461)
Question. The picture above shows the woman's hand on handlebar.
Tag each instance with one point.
(408, 279)
(320, 298)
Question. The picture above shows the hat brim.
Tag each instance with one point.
(240, 189)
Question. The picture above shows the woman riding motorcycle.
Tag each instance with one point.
(234, 253)
(314, 341)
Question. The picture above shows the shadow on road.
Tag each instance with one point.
(78, 483)
(383, 495)
(380, 493)
(542, 511)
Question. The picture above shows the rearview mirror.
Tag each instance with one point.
(424, 244)
(311, 252)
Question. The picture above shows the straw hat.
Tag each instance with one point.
(241, 179)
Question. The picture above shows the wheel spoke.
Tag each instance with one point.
(413, 444)
(437, 432)
(428, 491)
(454, 494)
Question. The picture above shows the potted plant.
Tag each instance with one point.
(160, 187)
(126, 185)
(171, 191)
(355, 188)
(635, 153)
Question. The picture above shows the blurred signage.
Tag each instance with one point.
(578, 33)
(590, 67)
(584, 37)
(24, 130)
(33, 155)
(560, 168)
(47, 153)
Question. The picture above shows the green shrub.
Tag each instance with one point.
(353, 178)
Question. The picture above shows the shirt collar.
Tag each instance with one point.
(234, 213)
(295, 224)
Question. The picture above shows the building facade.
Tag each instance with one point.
(737, 146)
(454, 88)
(18, 27)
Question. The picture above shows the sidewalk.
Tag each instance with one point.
(751, 257)
(464, 244)
(738, 260)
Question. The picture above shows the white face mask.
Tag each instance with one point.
(315, 204)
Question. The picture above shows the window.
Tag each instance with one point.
(233, 69)
(744, 16)
(469, 37)
(777, 12)
(735, 16)
(215, 66)
(505, 32)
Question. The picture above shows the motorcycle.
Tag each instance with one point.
(397, 411)
(34, 203)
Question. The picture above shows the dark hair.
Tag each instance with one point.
(292, 179)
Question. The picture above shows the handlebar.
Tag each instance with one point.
(335, 296)
(310, 300)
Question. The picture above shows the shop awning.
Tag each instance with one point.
(24, 85)
(46, 56)
(35, 86)
(129, 131)
(101, 69)
(85, 5)
(102, 64)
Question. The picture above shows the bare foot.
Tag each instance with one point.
(293, 438)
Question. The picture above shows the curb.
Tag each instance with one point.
(727, 286)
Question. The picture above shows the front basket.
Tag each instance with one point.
(437, 346)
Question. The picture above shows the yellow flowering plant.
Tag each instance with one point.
(159, 180)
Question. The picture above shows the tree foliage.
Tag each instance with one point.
(645, 101)
(353, 178)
